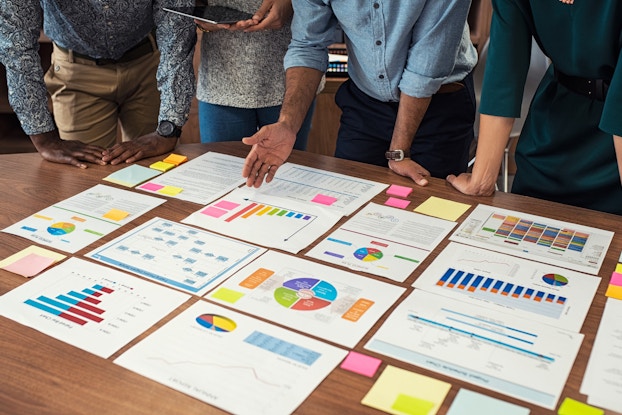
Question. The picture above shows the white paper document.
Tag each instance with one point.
(602, 382)
(338, 192)
(89, 306)
(383, 241)
(544, 293)
(536, 238)
(316, 299)
(202, 179)
(235, 362)
(75, 223)
(265, 220)
(502, 352)
(181, 256)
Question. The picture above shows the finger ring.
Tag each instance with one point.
(202, 30)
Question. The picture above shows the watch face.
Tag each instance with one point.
(396, 155)
(166, 128)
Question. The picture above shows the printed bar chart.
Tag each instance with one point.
(529, 299)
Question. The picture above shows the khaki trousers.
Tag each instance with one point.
(93, 103)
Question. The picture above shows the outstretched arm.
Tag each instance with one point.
(617, 142)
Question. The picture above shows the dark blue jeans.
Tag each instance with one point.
(441, 144)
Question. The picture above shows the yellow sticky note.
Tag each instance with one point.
(442, 208)
(175, 159)
(227, 295)
(162, 166)
(116, 214)
(170, 190)
(614, 291)
(619, 268)
(572, 407)
(398, 391)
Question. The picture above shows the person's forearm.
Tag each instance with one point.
(617, 142)
(300, 89)
(409, 115)
(494, 133)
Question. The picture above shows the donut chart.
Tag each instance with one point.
(368, 254)
(305, 294)
(555, 280)
(61, 228)
(216, 323)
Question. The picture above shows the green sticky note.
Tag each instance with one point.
(227, 295)
(412, 405)
(572, 407)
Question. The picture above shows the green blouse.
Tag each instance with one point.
(565, 152)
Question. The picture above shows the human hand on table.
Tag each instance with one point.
(54, 149)
(467, 184)
(410, 168)
(131, 151)
(272, 145)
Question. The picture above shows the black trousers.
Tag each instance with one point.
(441, 144)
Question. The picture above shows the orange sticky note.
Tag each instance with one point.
(116, 214)
(175, 159)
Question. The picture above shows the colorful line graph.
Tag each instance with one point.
(503, 292)
(77, 307)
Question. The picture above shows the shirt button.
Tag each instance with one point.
(381, 76)
(378, 42)
(376, 5)
(56, 68)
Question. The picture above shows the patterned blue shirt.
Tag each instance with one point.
(103, 29)
(412, 46)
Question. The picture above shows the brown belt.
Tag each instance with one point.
(143, 48)
(452, 87)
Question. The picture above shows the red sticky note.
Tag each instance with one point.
(154, 187)
(400, 191)
(324, 200)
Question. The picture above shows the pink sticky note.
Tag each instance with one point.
(616, 279)
(213, 211)
(225, 204)
(400, 191)
(151, 186)
(324, 200)
(29, 265)
(361, 364)
(398, 203)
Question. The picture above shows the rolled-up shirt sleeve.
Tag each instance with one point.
(20, 28)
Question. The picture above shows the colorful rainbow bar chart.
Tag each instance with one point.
(77, 307)
(515, 229)
(257, 209)
(504, 293)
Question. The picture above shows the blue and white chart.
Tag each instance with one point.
(503, 352)
(235, 362)
(90, 306)
(541, 292)
(181, 256)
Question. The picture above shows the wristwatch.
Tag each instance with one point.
(168, 129)
(397, 155)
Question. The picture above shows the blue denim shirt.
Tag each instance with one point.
(99, 29)
(412, 46)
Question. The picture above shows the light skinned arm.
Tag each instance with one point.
(494, 134)
(52, 148)
(617, 142)
(409, 115)
(273, 143)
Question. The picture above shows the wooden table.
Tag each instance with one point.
(41, 375)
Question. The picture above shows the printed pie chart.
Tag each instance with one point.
(305, 294)
(368, 254)
(216, 323)
(61, 228)
(555, 279)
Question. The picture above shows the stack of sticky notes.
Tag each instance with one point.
(400, 192)
(172, 160)
(614, 289)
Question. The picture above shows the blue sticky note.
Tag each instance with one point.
(132, 175)
(466, 400)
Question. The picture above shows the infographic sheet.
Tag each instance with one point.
(383, 241)
(232, 361)
(75, 223)
(503, 352)
(316, 299)
(90, 306)
(534, 237)
(545, 293)
(265, 220)
(199, 180)
(337, 192)
(181, 256)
